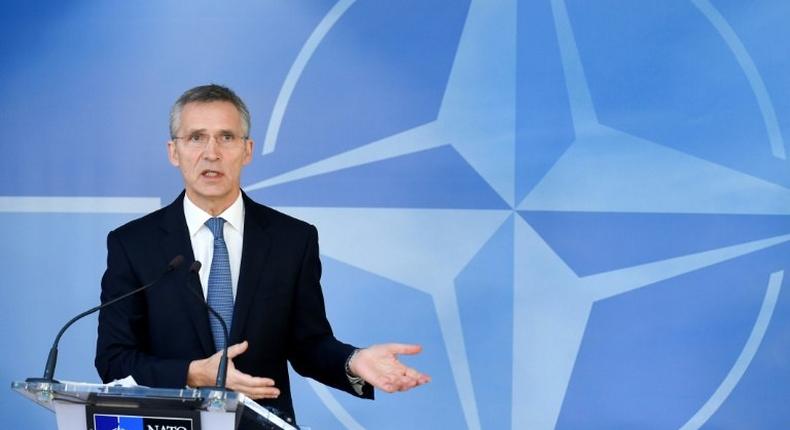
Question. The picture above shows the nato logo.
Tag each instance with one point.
(579, 208)
(123, 422)
(594, 251)
(117, 422)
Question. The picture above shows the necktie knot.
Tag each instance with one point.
(215, 225)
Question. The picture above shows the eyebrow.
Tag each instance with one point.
(203, 130)
(191, 132)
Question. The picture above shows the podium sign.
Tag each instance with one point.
(113, 418)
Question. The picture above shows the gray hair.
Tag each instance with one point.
(206, 94)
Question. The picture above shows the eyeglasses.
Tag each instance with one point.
(201, 140)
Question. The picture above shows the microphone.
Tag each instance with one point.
(49, 369)
(222, 369)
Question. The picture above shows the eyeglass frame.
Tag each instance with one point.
(202, 145)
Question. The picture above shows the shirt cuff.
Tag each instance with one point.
(356, 382)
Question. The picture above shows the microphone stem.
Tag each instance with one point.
(52, 358)
(222, 368)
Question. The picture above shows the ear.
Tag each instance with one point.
(172, 154)
(248, 145)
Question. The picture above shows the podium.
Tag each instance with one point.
(80, 406)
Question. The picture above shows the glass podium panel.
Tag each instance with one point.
(217, 409)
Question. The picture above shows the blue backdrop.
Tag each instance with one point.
(580, 209)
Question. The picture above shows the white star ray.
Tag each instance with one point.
(55, 204)
(410, 141)
(424, 249)
(551, 308)
(478, 112)
(609, 284)
(452, 332)
(612, 171)
(334, 406)
(477, 115)
(579, 98)
(549, 318)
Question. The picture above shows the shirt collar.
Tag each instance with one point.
(196, 218)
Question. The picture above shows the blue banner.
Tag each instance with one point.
(581, 210)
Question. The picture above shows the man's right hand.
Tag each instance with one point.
(203, 373)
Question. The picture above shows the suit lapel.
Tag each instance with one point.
(175, 241)
(255, 249)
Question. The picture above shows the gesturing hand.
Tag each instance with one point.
(378, 365)
(203, 373)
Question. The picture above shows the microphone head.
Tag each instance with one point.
(175, 262)
(195, 267)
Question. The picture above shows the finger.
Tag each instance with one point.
(412, 374)
(384, 382)
(237, 349)
(257, 392)
(250, 381)
(261, 393)
(405, 384)
(255, 381)
(403, 348)
(406, 381)
(254, 387)
(388, 387)
(416, 376)
(406, 378)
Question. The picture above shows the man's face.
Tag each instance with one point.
(212, 172)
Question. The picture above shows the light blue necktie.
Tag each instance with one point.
(220, 286)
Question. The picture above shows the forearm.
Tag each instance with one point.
(145, 369)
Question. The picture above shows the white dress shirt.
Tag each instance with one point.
(203, 240)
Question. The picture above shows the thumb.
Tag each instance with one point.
(237, 349)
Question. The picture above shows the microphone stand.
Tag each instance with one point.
(52, 358)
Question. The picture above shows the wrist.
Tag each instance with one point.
(195, 374)
(349, 365)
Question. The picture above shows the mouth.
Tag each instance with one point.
(211, 174)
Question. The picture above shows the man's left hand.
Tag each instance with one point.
(378, 365)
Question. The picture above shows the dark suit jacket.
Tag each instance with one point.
(279, 305)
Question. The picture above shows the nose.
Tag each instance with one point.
(210, 152)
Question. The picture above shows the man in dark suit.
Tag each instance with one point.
(260, 268)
